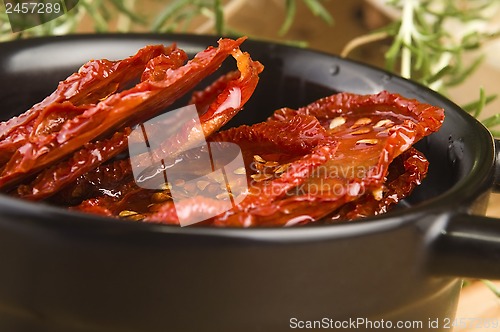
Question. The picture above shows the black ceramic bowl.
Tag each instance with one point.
(69, 272)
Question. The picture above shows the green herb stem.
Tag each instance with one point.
(405, 33)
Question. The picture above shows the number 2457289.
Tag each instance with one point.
(33, 8)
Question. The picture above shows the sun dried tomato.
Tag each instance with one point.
(405, 173)
(134, 105)
(342, 157)
(51, 180)
(336, 157)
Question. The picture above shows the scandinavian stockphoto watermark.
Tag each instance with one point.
(170, 152)
(367, 324)
(26, 14)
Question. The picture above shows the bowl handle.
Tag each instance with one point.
(496, 180)
(465, 245)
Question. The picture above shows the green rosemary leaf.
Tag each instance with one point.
(420, 56)
(481, 103)
(296, 43)
(465, 73)
(492, 121)
(437, 76)
(291, 9)
(475, 107)
(119, 5)
(494, 133)
(100, 24)
(318, 9)
(492, 287)
(471, 41)
(219, 17)
(187, 18)
(167, 13)
(392, 54)
(105, 12)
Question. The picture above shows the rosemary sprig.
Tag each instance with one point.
(176, 16)
(168, 18)
(314, 6)
(430, 40)
(492, 287)
(216, 11)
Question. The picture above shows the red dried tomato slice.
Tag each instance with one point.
(205, 97)
(51, 180)
(94, 80)
(49, 120)
(295, 148)
(372, 131)
(337, 160)
(113, 179)
(405, 173)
